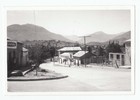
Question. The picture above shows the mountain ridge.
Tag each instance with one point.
(119, 38)
(98, 36)
(32, 32)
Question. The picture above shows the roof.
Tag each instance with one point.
(129, 40)
(80, 53)
(70, 49)
(115, 53)
(24, 49)
(66, 54)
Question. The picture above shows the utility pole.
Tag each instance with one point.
(36, 65)
(85, 47)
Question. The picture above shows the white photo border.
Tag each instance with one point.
(6, 8)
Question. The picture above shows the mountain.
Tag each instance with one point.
(32, 32)
(73, 37)
(119, 38)
(122, 37)
(98, 37)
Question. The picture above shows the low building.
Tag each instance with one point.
(122, 59)
(71, 50)
(117, 58)
(14, 54)
(65, 56)
(128, 52)
(83, 57)
(67, 52)
(17, 55)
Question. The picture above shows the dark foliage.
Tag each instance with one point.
(89, 49)
(113, 47)
(40, 50)
(103, 51)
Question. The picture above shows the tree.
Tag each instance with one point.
(100, 51)
(113, 47)
(37, 53)
(52, 52)
(89, 49)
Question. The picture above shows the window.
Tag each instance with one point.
(122, 56)
(111, 56)
(118, 56)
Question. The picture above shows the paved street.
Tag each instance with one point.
(93, 78)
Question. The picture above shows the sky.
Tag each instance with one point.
(74, 22)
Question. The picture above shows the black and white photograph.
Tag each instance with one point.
(70, 50)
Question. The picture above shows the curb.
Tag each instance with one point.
(27, 71)
(37, 79)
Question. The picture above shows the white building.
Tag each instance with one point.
(117, 58)
(122, 59)
(128, 52)
(72, 50)
(83, 57)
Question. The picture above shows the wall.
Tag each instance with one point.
(118, 58)
(128, 53)
(14, 57)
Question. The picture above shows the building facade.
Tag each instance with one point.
(117, 59)
(122, 59)
(72, 50)
(83, 57)
(14, 54)
(128, 52)
(17, 55)
(66, 53)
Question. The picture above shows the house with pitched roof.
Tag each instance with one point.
(83, 57)
(67, 52)
(72, 50)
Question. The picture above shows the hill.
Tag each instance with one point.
(32, 32)
(124, 36)
(73, 37)
(98, 37)
(119, 38)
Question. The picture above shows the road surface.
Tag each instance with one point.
(81, 79)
